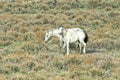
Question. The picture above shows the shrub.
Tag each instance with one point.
(58, 65)
(92, 3)
(23, 29)
(95, 73)
(31, 47)
(43, 6)
(107, 65)
(78, 18)
(40, 15)
(18, 76)
(108, 8)
(15, 69)
(39, 36)
(74, 61)
(5, 43)
(65, 7)
(75, 4)
(28, 37)
(96, 23)
(75, 75)
(30, 65)
(3, 77)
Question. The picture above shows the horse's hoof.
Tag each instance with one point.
(67, 54)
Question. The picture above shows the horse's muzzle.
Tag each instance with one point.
(46, 41)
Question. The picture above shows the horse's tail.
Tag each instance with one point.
(86, 37)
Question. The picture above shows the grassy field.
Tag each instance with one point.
(25, 56)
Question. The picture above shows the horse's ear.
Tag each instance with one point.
(62, 27)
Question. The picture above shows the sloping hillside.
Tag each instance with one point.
(25, 56)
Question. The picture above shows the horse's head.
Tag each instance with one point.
(54, 32)
(48, 35)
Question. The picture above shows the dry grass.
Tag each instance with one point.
(25, 56)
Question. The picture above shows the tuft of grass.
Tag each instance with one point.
(25, 56)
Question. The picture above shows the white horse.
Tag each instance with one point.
(74, 35)
(58, 32)
(67, 36)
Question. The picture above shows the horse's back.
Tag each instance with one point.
(74, 29)
(74, 34)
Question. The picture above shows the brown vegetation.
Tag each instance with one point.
(25, 56)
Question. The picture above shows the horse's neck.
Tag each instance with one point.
(55, 33)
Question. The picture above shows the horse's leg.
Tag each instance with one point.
(61, 43)
(77, 45)
(67, 48)
(80, 47)
(64, 44)
(84, 49)
(84, 46)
